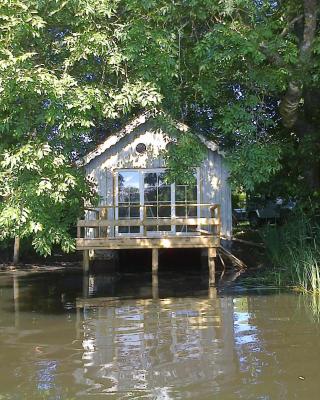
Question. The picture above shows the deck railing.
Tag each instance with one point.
(104, 221)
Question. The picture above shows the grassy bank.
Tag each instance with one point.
(294, 252)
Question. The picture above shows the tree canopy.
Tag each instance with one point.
(244, 73)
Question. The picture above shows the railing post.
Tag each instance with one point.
(219, 220)
(215, 213)
(103, 231)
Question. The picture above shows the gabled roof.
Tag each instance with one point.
(130, 127)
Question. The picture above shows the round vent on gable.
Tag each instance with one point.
(141, 148)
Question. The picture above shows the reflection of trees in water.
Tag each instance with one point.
(48, 292)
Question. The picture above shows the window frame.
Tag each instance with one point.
(142, 172)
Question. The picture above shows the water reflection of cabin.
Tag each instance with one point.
(147, 347)
(138, 209)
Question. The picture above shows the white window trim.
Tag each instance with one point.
(141, 172)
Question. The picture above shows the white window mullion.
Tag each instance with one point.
(198, 197)
(141, 190)
(116, 186)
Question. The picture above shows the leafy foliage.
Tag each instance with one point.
(69, 68)
(41, 196)
(59, 76)
(253, 165)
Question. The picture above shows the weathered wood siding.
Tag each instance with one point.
(214, 188)
(213, 173)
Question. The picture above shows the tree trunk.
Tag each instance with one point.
(290, 104)
(16, 250)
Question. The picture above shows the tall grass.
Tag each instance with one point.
(294, 250)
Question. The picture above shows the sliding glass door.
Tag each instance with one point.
(139, 191)
(128, 199)
(157, 199)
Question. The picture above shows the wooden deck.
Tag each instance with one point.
(164, 242)
(103, 230)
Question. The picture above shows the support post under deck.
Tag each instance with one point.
(155, 287)
(155, 261)
(86, 261)
(211, 265)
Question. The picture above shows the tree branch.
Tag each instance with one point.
(273, 57)
(290, 25)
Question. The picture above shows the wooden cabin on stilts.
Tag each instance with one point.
(139, 210)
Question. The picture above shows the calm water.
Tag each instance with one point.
(65, 337)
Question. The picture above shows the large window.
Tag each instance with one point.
(148, 189)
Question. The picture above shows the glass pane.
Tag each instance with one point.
(134, 212)
(123, 229)
(164, 228)
(150, 194)
(164, 193)
(181, 211)
(151, 211)
(128, 179)
(120, 181)
(123, 212)
(124, 195)
(192, 211)
(180, 193)
(150, 179)
(161, 180)
(164, 211)
(134, 229)
(180, 228)
(134, 195)
(192, 194)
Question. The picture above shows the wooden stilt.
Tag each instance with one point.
(86, 261)
(212, 292)
(155, 261)
(204, 260)
(211, 265)
(85, 285)
(155, 287)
